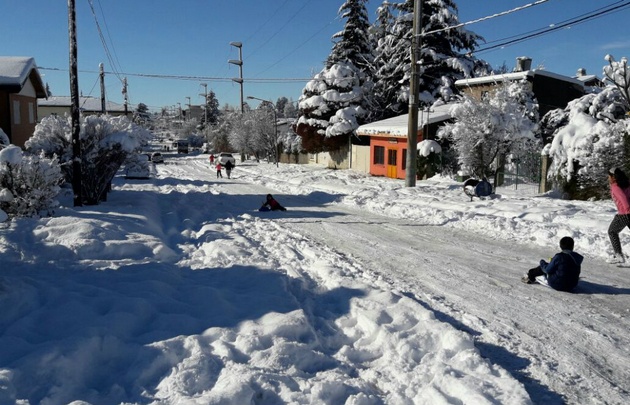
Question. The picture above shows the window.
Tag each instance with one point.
(379, 155)
(31, 113)
(16, 112)
(404, 164)
(392, 154)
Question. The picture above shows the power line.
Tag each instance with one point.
(501, 14)
(193, 78)
(103, 41)
(574, 21)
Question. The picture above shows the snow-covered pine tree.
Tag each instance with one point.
(332, 104)
(141, 115)
(212, 109)
(353, 42)
(444, 55)
(330, 108)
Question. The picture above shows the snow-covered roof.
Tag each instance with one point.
(397, 126)
(16, 70)
(515, 76)
(85, 103)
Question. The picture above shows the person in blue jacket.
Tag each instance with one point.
(563, 271)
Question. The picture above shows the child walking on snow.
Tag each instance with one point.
(620, 193)
(219, 167)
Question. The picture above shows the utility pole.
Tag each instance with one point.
(188, 115)
(74, 111)
(239, 62)
(102, 79)
(412, 127)
(205, 94)
(124, 92)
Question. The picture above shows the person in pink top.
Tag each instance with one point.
(620, 192)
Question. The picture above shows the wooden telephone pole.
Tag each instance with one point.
(412, 126)
(74, 112)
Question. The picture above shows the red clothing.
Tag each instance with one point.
(219, 167)
(621, 197)
(211, 158)
(274, 205)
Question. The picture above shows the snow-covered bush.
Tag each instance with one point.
(485, 131)
(29, 184)
(590, 136)
(105, 143)
(429, 158)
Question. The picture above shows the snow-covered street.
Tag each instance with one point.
(177, 290)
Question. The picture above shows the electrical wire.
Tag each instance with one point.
(104, 42)
(501, 14)
(194, 78)
(555, 27)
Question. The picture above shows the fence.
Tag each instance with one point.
(521, 175)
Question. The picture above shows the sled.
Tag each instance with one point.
(477, 188)
(542, 280)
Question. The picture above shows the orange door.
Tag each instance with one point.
(392, 155)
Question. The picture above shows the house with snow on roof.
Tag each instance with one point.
(552, 90)
(62, 105)
(386, 153)
(20, 87)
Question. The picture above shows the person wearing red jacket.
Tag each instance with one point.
(271, 205)
(620, 192)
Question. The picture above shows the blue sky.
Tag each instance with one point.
(284, 43)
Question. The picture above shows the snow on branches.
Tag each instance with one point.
(496, 126)
(589, 137)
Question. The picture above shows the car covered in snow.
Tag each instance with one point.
(225, 157)
(157, 157)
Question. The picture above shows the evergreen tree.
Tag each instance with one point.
(212, 109)
(330, 108)
(332, 105)
(141, 115)
(281, 105)
(353, 44)
(443, 55)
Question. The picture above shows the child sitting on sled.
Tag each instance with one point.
(271, 205)
(562, 272)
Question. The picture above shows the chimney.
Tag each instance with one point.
(581, 72)
(523, 63)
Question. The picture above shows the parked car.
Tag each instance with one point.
(137, 167)
(224, 157)
(157, 157)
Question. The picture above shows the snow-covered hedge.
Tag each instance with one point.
(29, 184)
(105, 143)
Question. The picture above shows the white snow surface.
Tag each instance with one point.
(177, 290)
